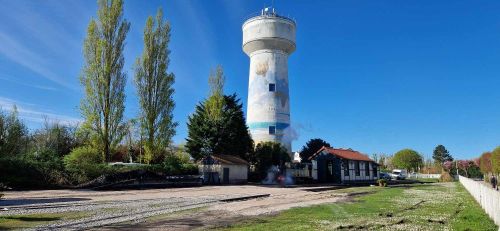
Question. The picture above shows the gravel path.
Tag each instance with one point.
(112, 207)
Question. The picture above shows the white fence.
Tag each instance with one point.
(487, 197)
(425, 176)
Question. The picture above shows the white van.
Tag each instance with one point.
(399, 174)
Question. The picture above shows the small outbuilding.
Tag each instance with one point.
(224, 169)
(336, 165)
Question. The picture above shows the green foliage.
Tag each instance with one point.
(407, 159)
(155, 88)
(311, 147)
(215, 102)
(474, 172)
(13, 134)
(441, 155)
(103, 78)
(55, 137)
(495, 160)
(27, 173)
(85, 163)
(228, 136)
(176, 165)
(267, 154)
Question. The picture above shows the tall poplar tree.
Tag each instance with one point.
(103, 77)
(215, 101)
(155, 88)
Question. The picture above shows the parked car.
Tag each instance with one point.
(384, 175)
(399, 174)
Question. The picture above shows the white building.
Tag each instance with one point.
(223, 169)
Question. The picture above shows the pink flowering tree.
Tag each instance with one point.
(447, 166)
(464, 165)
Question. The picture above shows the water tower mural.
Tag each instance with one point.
(268, 39)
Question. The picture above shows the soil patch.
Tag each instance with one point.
(182, 222)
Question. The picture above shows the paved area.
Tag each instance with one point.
(108, 209)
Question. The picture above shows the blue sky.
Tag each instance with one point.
(375, 76)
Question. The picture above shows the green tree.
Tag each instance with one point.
(54, 136)
(485, 163)
(228, 136)
(495, 160)
(407, 159)
(441, 155)
(268, 154)
(103, 78)
(311, 147)
(155, 88)
(13, 134)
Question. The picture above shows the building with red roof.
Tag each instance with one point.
(337, 165)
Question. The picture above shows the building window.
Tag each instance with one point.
(356, 168)
(374, 168)
(367, 169)
(272, 130)
(345, 164)
(272, 87)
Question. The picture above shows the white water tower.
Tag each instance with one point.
(268, 39)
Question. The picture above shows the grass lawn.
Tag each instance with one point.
(29, 221)
(438, 206)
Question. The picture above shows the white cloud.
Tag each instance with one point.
(18, 53)
(39, 42)
(48, 88)
(30, 112)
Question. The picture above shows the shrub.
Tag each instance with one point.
(190, 169)
(85, 163)
(382, 182)
(176, 165)
(268, 154)
(445, 177)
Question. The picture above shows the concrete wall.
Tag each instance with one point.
(237, 173)
(488, 198)
(268, 41)
(267, 108)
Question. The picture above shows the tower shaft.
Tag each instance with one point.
(268, 40)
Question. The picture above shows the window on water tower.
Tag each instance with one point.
(272, 87)
(272, 130)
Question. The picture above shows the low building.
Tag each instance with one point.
(333, 165)
(223, 169)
